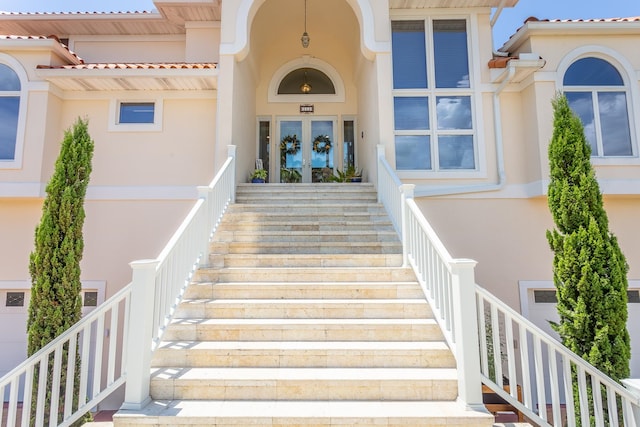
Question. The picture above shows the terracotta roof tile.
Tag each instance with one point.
(134, 66)
(52, 37)
(500, 62)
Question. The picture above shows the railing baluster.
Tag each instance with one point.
(555, 387)
(539, 366)
(55, 387)
(113, 343)
(526, 370)
(612, 407)
(71, 370)
(583, 397)
(97, 367)
(596, 394)
(568, 391)
(42, 389)
(27, 396)
(13, 402)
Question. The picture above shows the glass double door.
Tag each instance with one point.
(306, 150)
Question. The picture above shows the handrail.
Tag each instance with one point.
(133, 321)
(471, 319)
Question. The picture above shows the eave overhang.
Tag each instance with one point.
(615, 26)
(429, 4)
(132, 77)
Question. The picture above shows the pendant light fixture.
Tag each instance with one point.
(305, 87)
(305, 36)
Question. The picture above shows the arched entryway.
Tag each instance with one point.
(264, 47)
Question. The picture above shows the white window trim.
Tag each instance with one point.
(630, 87)
(474, 92)
(16, 66)
(114, 114)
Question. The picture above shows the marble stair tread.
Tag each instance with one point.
(304, 345)
(304, 374)
(318, 413)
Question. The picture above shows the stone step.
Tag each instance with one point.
(306, 247)
(324, 236)
(307, 354)
(304, 309)
(320, 198)
(202, 329)
(305, 260)
(293, 225)
(294, 190)
(293, 384)
(182, 413)
(304, 274)
(309, 290)
(309, 211)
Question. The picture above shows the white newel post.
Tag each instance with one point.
(231, 152)
(406, 192)
(633, 385)
(380, 155)
(206, 194)
(140, 331)
(466, 333)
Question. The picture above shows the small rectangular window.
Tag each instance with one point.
(633, 297)
(90, 299)
(137, 112)
(545, 297)
(15, 299)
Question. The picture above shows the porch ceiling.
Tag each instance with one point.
(425, 4)
(119, 77)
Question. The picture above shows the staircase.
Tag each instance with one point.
(304, 317)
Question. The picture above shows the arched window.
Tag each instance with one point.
(306, 81)
(9, 112)
(597, 94)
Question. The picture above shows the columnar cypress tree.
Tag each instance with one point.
(55, 262)
(589, 270)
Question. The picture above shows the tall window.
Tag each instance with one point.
(597, 94)
(434, 128)
(9, 110)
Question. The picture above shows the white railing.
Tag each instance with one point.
(129, 323)
(88, 351)
(513, 348)
(485, 334)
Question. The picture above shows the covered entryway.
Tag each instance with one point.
(306, 152)
(263, 99)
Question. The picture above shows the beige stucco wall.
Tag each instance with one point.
(108, 49)
(507, 237)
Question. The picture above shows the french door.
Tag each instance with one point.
(306, 148)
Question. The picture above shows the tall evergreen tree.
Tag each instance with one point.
(55, 262)
(589, 270)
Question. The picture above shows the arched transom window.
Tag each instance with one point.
(597, 94)
(306, 81)
(9, 112)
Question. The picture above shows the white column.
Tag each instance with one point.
(138, 363)
(466, 333)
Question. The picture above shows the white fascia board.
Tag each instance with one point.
(547, 28)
